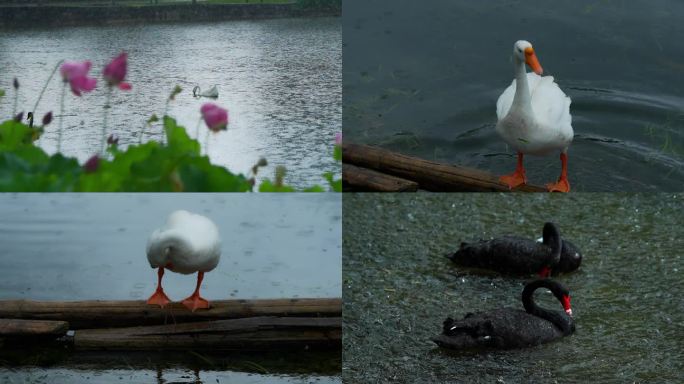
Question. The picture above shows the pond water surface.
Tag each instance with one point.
(626, 296)
(281, 81)
(424, 80)
(92, 247)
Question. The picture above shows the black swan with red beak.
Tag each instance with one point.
(511, 328)
(520, 256)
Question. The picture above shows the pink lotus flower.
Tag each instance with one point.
(115, 72)
(76, 74)
(214, 116)
(338, 139)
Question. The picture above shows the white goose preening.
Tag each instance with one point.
(534, 117)
(188, 243)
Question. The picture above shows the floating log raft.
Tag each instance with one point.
(254, 333)
(428, 175)
(256, 325)
(104, 314)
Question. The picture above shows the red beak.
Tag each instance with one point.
(545, 271)
(566, 305)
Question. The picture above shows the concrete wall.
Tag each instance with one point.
(55, 16)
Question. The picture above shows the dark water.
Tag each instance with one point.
(424, 79)
(281, 81)
(92, 246)
(176, 376)
(626, 296)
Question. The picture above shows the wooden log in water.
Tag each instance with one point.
(101, 314)
(253, 334)
(363, 179)
(429, 175)
(32, 328)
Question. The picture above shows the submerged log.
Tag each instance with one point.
(429, 175)
(32, 328)
(98, 314)
(254, 333)
(362, 179)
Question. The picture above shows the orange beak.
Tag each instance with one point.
(532, 61)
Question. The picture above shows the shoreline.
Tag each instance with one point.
(31, 16)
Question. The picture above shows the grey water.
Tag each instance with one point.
(281, 81)
(424, 80)
(626, 295)
(92, 247)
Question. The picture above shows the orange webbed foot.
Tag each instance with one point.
(562, 185)
(159, 298)
(195, 302)
(513, 180)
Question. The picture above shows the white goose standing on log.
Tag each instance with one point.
(534, 117)
(188, 243)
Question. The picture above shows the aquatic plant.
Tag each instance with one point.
(216, 119)
(76, 75)
(15, 85)
(114, 74)
(335, 184)
(176, 164)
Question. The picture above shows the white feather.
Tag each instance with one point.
(546, 126)
(189, 242)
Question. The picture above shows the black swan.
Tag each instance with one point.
(511, 328)
(520, 256)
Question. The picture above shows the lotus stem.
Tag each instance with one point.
(61, 118)
(104, 120)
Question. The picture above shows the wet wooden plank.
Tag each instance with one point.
(100, 314)
(253, 333)
(363, 179)
(429, 175)
(33, 328)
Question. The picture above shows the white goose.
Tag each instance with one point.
(188, 243)
(211, 92)
(534, 117)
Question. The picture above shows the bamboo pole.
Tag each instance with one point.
(254, 333)
(363, 179)
(99, 314)
(429, 175)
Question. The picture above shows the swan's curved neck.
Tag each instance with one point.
(552, 239)
(522, 101)
(559, 319)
